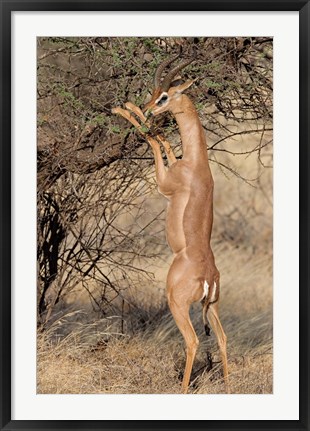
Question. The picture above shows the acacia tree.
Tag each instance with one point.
(94, 170)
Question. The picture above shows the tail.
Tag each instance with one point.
(205, 306)
(211, 296)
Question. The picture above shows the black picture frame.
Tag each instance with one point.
(7, 7)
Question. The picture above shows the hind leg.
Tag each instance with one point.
(182, 292)
(214, 320)
(181, 316)
(183, 288)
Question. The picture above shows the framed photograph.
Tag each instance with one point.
(154, 215)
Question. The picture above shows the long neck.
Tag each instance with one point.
(192, 134)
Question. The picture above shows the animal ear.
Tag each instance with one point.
(184, 86)
(176, 82)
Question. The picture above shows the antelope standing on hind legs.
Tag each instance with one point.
(188, 186)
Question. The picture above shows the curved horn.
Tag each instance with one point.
(170, 75)
(161, 68)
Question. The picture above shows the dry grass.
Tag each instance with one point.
(96, 358)
(80, 353)
(93, 359)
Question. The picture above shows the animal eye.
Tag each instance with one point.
(162, 100)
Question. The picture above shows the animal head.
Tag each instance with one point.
(167, 92)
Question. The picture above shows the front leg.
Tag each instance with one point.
(159, 163)
(168, 150)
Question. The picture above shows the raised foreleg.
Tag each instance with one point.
(168, 150)
(167, 147)
(159, 163)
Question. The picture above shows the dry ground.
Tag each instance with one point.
(80, 353)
